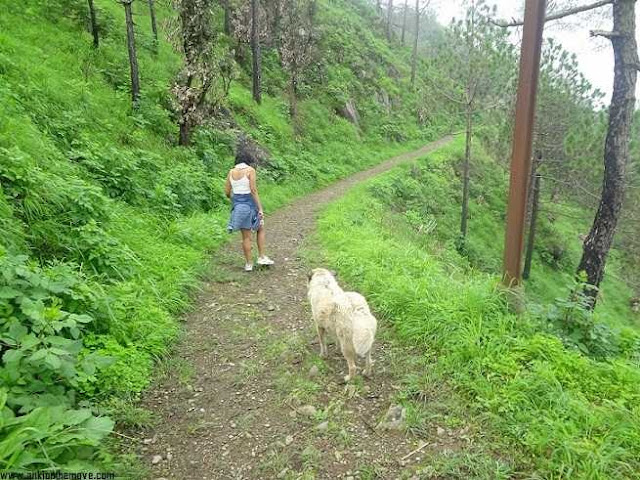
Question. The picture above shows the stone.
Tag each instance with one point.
(440, 431)
(156, 459)
(288, 440)
(307, 411)
(349, 112)
(394, 418)
(314, 371)
(323, 427)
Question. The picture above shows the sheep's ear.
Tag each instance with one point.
(309, 275)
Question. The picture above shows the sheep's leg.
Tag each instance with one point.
(322, 340)
(350, 356)
(368, 365)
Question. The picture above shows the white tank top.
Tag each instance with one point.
(242, 185)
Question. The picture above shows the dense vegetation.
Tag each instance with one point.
(107, 221)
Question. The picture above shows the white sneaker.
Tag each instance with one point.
(265, 261)
(248, 267)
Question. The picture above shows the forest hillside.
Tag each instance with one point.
(112, 206)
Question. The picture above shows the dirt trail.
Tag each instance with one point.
(228, 404)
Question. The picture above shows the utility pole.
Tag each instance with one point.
(534, 18)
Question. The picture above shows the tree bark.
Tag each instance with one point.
(255, 52)
(404, 21)
(466, 175)
(133, 58)
(227, 17)
(154, 24)
(616, 151)
(389, 17)
(184, 134)
(535, 202)
(94, 25)
(293, 100)
(414, 54)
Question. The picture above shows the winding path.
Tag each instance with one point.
(227, 404)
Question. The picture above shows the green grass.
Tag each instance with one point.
(568, 415)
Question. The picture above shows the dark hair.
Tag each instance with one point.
(243, 156)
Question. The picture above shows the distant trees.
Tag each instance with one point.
(564, 135)
(296, 42)
(256, 55)
(404, 21)
(419, 10)
(477, 64)
(389, 28)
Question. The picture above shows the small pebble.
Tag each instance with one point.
(156, 459)
(307, 410)
(323, 427)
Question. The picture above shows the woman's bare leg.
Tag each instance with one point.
(246, 245)
(261, 241)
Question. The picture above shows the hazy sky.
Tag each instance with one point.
(595, 55)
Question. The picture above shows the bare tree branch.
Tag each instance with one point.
(557, 16)
(604, 33)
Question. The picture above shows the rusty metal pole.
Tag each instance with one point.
(522, 140)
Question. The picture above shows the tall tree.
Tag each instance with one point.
(94, 24)
(476, 61)
(133, 57)
(256, 55)
(404, 21)
(389, 19)
(226, 7)
(296, 43)
(533, 220)
(154, 24)
(616, 150)
(205, 77)
(414, 54)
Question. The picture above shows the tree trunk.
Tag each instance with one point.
(616, 150)
(466, 175)
(389, 17)
(535, 202)
(293, 100)
(255, 52)
(154, 24)
(94, 25)
(133, 59)
(414, 54)
(227, 17)
(184, 134)
(404, 21)
(378, 6)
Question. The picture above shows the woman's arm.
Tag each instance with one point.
(254, 189)
(227, 186)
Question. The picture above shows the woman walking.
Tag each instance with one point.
(246, 212)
